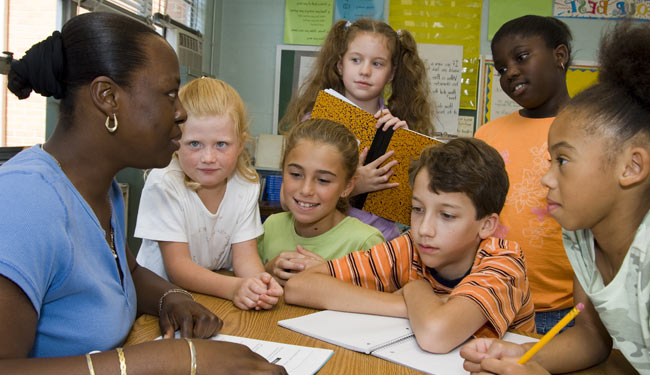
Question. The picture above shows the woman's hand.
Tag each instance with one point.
(386, 120)
(372, 177)
(179, 311)
(219, 357)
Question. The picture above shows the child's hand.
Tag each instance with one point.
(510, 366)
(385, 120)
(284, 266)
(310, 259)
(479, 349)
(371, 177)
(247, 294)
(273, 292)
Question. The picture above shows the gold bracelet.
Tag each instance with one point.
(170, 291)
(89, 361)
(192, 357)
(120, 354)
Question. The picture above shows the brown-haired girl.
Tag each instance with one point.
(359, 60)
(319, 164)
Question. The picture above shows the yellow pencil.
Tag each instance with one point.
(549, 335)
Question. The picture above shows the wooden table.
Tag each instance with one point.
(263, 325)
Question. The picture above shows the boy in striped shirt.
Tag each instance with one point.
(447, 275)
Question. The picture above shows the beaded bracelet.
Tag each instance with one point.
(170, 291)
(89, 362)
(120, 354)
(192, 357)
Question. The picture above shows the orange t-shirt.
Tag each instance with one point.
(497, 281)
(522, 143)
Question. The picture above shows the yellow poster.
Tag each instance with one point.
(307, 21)
(456, 22)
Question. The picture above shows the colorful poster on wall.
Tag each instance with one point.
(455, 22)
(444, 65)
(307, 21)
(496, 103)
(502, 11)
(353, 9)
(635, 9)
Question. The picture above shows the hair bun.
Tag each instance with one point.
(41, 69)
(624, 60)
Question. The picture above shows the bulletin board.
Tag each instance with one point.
(495, 103)
(292, 64)
(455, 22)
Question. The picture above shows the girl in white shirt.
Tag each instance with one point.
(200, 213)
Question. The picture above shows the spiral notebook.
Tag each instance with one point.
(384, 337)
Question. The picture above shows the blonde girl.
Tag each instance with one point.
(200, 213)
(599, 191)
(318, 175)
(365, 60)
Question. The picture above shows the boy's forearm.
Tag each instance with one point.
(319, 290)
(440, 325)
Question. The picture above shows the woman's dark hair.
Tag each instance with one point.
(553, 31)
(619, 103)
(89, 45)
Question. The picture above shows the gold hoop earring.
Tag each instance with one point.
(111, 129)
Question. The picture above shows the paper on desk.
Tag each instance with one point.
(296, 359)
(408, 353)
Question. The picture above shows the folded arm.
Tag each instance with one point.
(184, 272)
(316, 288)
(440, 324)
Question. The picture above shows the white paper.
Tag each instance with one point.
(359, 332)
(444, 64)
(296, 359)
(408, 353)
(500, 103)
(465, 126)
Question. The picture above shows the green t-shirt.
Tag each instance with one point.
(347, 236)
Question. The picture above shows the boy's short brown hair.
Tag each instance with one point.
(466, 165)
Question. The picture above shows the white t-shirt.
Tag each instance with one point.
(623, 305)
(169, 211)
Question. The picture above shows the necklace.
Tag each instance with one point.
(111, 244)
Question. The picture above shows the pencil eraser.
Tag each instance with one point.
(580, 306)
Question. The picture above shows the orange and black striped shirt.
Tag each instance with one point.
(497, 281)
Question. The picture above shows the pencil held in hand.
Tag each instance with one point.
(549, 335)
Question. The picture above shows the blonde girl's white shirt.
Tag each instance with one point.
(623, 305)
(170, 211)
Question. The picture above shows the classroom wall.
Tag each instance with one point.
(252, 28)
(249, 33)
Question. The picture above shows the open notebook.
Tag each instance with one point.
(296, 359)
(393, 204)
(384, 337)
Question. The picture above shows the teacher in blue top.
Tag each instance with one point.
(68, 284)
